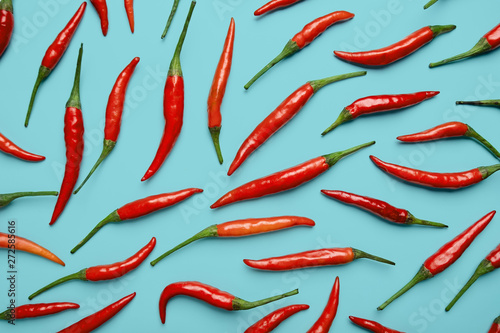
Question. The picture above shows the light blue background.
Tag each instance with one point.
(364, 284)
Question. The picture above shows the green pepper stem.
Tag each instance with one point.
(497, 320)
(215, 132)
(441, 29)
(430, 3)
(6, 5)
(344, 116)
(241, 304)
(74, 98)
(106, 149)
(175, 65)
(170, 18)
(43, 72)
(6, 199)
(5, 315)
(333, 158)
(471, 133)
(481, 47)
(113, 217)
(413, 220)
(358, 254)
(318, 84)
(491, 102)
(80, 275)
(487, 171)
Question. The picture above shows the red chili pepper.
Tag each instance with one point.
(173, 104)
(102, 10)
(10, 148)
(273, 5)
(240, 228)
(212, 296)
(282, 115)
(170, 18)
(489, 102)
(104, 272)
(495, 327)
(6, 24)
(396, 51)
(140, 208)
(73, 136)
(90, 323)
(114, 111)
(324, 322)
(489, 42)
(304, 38)
(372, 325)
(380, 208)
(380, 103)
(36, 310)
(7, 198)
(438, 180)
(285, 179)
(272, 320)
(445, 256)
(54, 53)
(9, 241)
(129, 8)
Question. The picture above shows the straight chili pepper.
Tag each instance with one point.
(273, 5)
(104, 272)
(241, 228)
(11, 148)
(379, 103)
(272, 320)
(282, 115)
(90, 323)
(6, 24)
(397, 51)
(285, 179)
(173, 104)
(129, 8)
(380, 208)
(495, 327)
(490, 102)
(102, 10)
(170, 18)
(54, 53)
(212, 296)
(489, 42)
(9, 241)
(372, 325)
(36, 310)
(445, 256)
(324, 322)
(7, 198)
(140, 208)
(73, 137)
(114, 111)
(304, 38)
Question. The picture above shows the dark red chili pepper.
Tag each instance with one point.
(102, 10)
(10, 148)
(54, 53)
(372, 325)
(272, 320)
(240, 228)
(212, 296)
(379, 103)
(273, 5)
(140, 208)
(324, 322)
(104, 272)
(380, 208)
(489, 42)
(173, 104)
(430, 3)
(489, 102)
(303, 38)
(495, 327)
(114, 111)
(170, 18)
(90, 323)
(396, 51)
(73, 137)
(36, 310)
(282, 115)
(285, 179)
(129, 8)
(6, 24)
(9, 241)
(7, 198)
(445, 256)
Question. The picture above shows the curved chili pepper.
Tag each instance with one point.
(104, 272)
(6, 24)
(324, 322)
(240, 228)
(491, 102)
(273, 5)
(140, 208)
(495, 327)
(372, 325)
(102, 10)
(380, 103)
(170, 18)
(282, 115)
(285, 179)
(36, 310)
(396, 51)
(129, 8)
(304, 38)
(114, 111)
(434, 179)
(272, 320)
(430, 3)
(380, 208)
(7, 198)
(489, 42)
(90, 323)
(9, 241)
(11, 148)
(445, 256)
(54, 53)
(212, 296)
(173, 104)
(73, 137)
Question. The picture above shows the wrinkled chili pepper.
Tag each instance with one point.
(104, 272)
(140, 208)
(285, 179)
(129, 8)
(397, 51)
(273, 5)
(272, 320)
(73, 137)
(495, 327)
(489, 42)
(102, 10)
(212, 296)
(445, 256)
(90, 323)
(430, 3)
(36, 310)
(7, 198)
(173, 104)
(54, 53)
(489, 102)
(10, 148)
(240, 228)
(372, 325)
(380, 208)
(324, 322)
(170, 18)
(9, 241)
(282, 115)
(6, 24)
(218, 89)
(114, 111)
(304, 38)
(379, 103)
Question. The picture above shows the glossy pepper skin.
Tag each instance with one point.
(9, 241)
(445, 256)
(11, 148)
(175, 4)
(272, 320)
(7, 198)
(54, 53)
(212, 296)
(324, 322)
(129, 8)
(304, 38)
(6, 24)
(495, 327)
(37, 310)
(372, 325)
(273, 5)
(104, 272)
(102, 10)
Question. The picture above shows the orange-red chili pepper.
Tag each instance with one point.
(54, 53)
(273, 5)
(372, 325)
(9, 241)
(11, 148)
(324, 322)
(102, 10)
(272, 320)
(129, 8)
(304, 38)
(489, 102)
(495, 327)
(7, 198)
(6, 24)
(36, 310)
(445, 256)
(175, 4)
